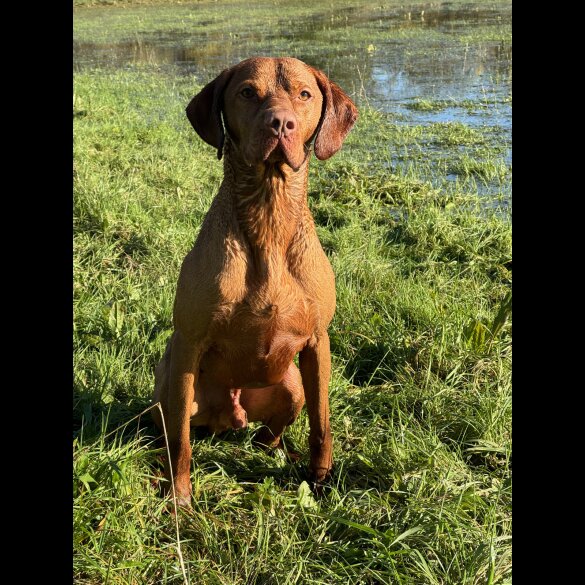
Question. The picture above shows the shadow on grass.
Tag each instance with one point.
(94, 417)
(374, 363)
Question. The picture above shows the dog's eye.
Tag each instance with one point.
(248, 93)
(305, 95)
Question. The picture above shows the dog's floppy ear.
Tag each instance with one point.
(337, 118)
(204, 111)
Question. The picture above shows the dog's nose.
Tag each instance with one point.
(281, 122)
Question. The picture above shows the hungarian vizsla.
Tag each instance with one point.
(257, 288)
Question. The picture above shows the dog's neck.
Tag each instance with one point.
(270, 200)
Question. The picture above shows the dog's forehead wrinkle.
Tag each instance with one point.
(282, 79)
(274, 74)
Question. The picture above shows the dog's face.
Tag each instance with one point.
(272, 108)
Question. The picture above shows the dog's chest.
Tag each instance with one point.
(257, 337)
(265, 314)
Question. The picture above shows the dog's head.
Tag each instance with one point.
(272, 109)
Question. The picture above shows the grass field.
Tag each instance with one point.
(416, 221)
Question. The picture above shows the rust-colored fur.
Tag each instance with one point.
(257, 288)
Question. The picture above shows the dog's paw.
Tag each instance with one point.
(291, 456)
(318, 479)
(264, 439)
(184, 501)
(181, 494)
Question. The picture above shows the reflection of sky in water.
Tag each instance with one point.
(467, 78)
(389, 77)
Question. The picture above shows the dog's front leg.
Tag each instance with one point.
(184, 368)
(315, 366)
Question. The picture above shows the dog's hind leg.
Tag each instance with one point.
(276, 406)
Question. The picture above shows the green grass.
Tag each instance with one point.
(425, 105)
(487, 169)
(414, 220)
(305, 27)
(420, 395)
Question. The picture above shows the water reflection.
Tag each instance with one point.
(398, 64)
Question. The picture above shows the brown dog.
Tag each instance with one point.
(257, 288)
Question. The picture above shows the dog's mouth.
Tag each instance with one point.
(275, 150)
(271, 148)
(282, 149)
